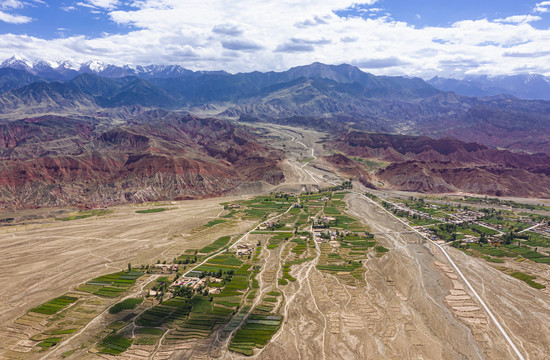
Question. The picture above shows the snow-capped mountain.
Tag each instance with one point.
(18, 63)
(524, 86)
(66, 70)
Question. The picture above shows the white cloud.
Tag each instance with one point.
(17, 4)
(11, 4)
(542, 7)
(249, 35)
(101, 4)
(519, 19)
(14, 19)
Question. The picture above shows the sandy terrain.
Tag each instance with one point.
(40, 262)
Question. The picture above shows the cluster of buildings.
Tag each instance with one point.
(193, 282)
(167, 268)
(322, 222)
(269, 224)
(465, 216)
(244, 250)
(543, 229)
(323, 235)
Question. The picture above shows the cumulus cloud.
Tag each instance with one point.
(100, 4)
(292, 47)
(14, 19)
(542, 7)
(249, 35)
(533, 54)
(519, 19)
(316, 20)
(380, 63)
(11, 4)
(231, 30)
(242, 45)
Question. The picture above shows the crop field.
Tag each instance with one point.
(528, 279)
(255, 333)
(222, 262)
(536, 240)
(262, 206)
(48, 343)
(111, 285)
(127, 304)
(114, 344)
(214, 222)
(154, 210)
(216, 245)
(511, 250)
(55, 305)
(167, 313)
(85, 214)
(277, 240)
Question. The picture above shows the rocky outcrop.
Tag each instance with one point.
(448, 165)
(155, 156)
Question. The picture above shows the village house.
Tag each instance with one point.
(166, 268)
(244, 249)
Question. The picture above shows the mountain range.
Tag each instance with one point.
(524, 86)
(339, 95)
(66, 70)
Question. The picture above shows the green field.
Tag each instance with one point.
(48, 343)
(55, 305)
(154, 210)
(255, 333)
(214, 222)
(111, 285)
(125, 305)
(216, 245)
(85, 214)
(114, 344)
(536, 239)
(528, 279)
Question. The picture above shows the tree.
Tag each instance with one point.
(483, 239)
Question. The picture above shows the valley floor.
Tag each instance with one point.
(408, 303)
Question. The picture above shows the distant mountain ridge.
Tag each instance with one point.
(340, 95)
(66, 70)
(523, 86)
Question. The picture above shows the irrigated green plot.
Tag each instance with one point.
(127, 304)
(255, 333)
(111, 285)
(216, 245)
(154, 210)
(55, 305)
(528, 279)
(114, 344)
(85, 214)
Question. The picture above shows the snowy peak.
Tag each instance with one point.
(524, 86)
(94, 66)
(18, 63)
(65, 70)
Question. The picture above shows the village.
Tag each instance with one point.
(194, 281)
(446, 224)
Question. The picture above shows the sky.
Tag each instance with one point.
(385, 37)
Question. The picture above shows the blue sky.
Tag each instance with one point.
(422, 37)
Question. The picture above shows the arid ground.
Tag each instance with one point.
(410, 303)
